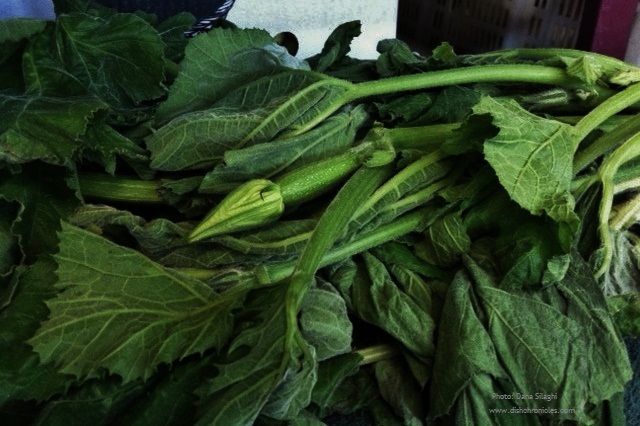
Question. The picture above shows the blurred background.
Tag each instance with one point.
(604, 26)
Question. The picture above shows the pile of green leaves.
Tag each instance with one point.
(462, 229)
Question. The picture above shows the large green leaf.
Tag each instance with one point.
(18, 29)
(541, 347)
(240, 390)
(332, 373)
(126, 316)
(117, 57)
(254, 113)
(218, 62)
(532, 156)
(22, 374)
(464, 349)
(199, 139)
(42, 128)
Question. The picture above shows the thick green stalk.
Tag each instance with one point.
(534, 74)
(608, 108)
(421, 137)
(111, 188)
(273, 273)
(606, 143)
(329, 228)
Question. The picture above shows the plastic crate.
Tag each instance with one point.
(482, 25)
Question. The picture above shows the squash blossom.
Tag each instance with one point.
(255, 203)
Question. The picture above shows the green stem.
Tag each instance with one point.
(608, 108)
(329, 228)
(111, 188)
(404, 138)
(377, 353)
(535, 74)
(606, 143)
(625, 153)
(409, 223)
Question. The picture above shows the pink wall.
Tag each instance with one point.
(613, 27)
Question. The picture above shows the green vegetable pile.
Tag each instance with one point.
(215, 232)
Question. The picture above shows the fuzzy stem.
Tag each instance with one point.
(608, 108)
(111, 188)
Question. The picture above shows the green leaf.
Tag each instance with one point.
(332, 373)
(396, 58)
(464, 350)
(197, 140)
(155, 237)
(117, 57)
(448, 239)
(13, 32)
(532, 156)
(128, 316)
(294, 99)
(18, 29)
(41, 128)
(22, 375)
(216, 63)
(626, 313)
(172, 32)
(96, 402)
(378, 300)
(43, 194)
(623, 277)
(609, 368)
(404, 109)
(539, 347)
(452, 105)
(324, 322)
(398, 387)
(417, 175)
(253, 369)
(337, 46)
(10, 252)
(293, 394)
(265, 160)
(171, 401)
(104, 145)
